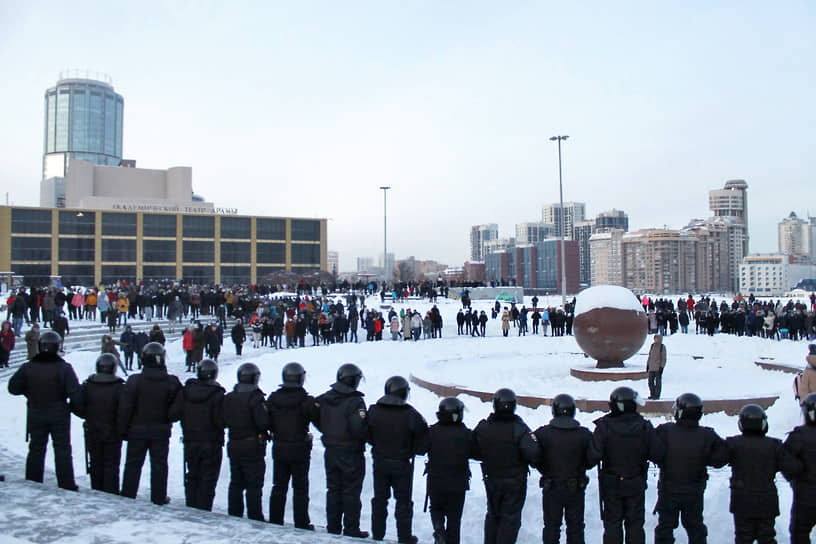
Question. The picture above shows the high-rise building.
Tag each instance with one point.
(606, 255)
(387, 266)
(612, 219)
(479, 234)
(536, 231)
(83, 120)
(499, 244)
(659, 261)
(365, 264)
(731, 202)
(581, 233)
(796, 236)
(713, 267)
(564, 220)
(333, 261)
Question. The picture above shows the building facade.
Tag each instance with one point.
(93, 247)
(796, 236)
(479, 235)
(731, 202)
(563, 219)
(581, 233)
(606, 257)
(612, 219)
(773, 275)
(659, 261)
(535, 266)
(532, 232)
(83, 120)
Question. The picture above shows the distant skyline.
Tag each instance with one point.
(307, 109)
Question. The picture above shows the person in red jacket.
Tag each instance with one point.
(188, 345)
(6, 343)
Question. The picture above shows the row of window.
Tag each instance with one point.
(81, 274)
(161, 225)
(160, 251)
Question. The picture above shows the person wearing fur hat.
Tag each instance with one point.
(807, 381)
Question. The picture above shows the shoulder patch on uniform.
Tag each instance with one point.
(533, 436)
(361, 413)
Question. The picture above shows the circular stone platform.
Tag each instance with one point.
(730, 406)
(592, 374)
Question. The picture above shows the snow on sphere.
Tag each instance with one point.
(610, 325)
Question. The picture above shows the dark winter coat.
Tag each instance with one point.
(47, 381)
(342, 417)
(624, 444)
(246, 418)
(563, 446)
(396, 430)
(690, 448)
(291, 410)
(238, 334)
(202, 418)
(98, 403)
(504, 445)
(151, 401)
(801, 446)
(450, 445)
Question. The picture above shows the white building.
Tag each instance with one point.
(90, 186)
(479, 235)
(797, 236)
(500, 244)
(536, 231)
(333, 261)
(365, 264)
(565, 220)
(732, 202)
(772, 274)
(606, 257)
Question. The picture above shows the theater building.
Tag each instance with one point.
(154, 243)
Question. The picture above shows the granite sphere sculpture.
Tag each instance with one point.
(610, 325)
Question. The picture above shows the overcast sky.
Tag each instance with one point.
(306, 108)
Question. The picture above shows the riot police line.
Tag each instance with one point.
(142, 410)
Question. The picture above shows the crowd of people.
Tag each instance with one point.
(143, 409)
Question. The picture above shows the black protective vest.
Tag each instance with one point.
(448, 454)
(101, 404)
(238, 414)
(498, 442)
(563, 450)
(201, 418)
(390, 431)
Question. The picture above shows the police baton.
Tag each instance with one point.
(87, 459)
(600, 494)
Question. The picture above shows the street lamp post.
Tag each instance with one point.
(385, 231)
(563, 224)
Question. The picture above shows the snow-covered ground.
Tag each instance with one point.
(531, 365)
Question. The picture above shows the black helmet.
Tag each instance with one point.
(350, 375)
(504, 401)
(752, 419)
(450, 410)
(563, 405)
(107, 363)
(688, 406)
(49, 342)
(153, 355)
(293, 375)
(249, 373)
(809, 409)
(624, 400)
(207, 370)
(397, 386)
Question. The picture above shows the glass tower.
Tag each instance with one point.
(83, 120)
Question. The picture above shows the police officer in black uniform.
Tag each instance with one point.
(562, 462)
(97, 404)
(151, 401)
(755, 459)
(450, 445)
(396, 432)
(246, 418)
(202, 425)
(506, 447)
(801, 445)
(690, 448)
(291, 410)
(624, 443)
(48, 382)
(343, 420)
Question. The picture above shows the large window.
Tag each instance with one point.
(77, 274)
(77, 223)
(231, 275)
(198, 252)
(156, 272)
(235, 227)
(264, 271)
(159, 225)
(118, 224)
(119, 251)
(116, 273)
(30, 249)
(76, 249)
(270, 229)
(306, 230)
(306, 254)
(235, 252)
(198, 274)
(159, 251)
(30, 221)
(198, 226)
(33, 274)
(268, 252)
